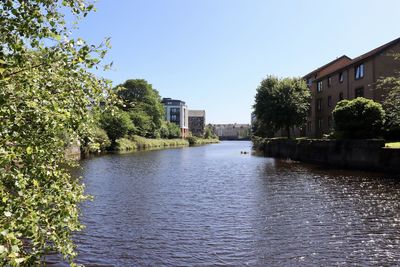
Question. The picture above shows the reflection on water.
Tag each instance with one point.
(212, 205)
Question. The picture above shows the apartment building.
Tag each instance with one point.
(346, 78)
(176, 111)
(233, 131)
(197, 122)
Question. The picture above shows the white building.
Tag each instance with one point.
(176, 111)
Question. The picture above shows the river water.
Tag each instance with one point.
(213, 206)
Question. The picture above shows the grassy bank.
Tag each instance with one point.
(138, 143)
(393, 145)
(201, 141)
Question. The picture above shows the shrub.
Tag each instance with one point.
(358, 118)
(164, 131)
(174, 130)
(116, 125)
(391, 106)
(98, 141)
(124, 144)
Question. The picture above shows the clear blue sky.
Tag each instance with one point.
(214, 53)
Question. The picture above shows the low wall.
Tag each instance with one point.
(355, 154)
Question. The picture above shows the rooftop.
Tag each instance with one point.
(197, 113)
(344, 62)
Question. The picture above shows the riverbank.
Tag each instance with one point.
(201, 141)
(135, 143)
(350, 154)
(140, 143)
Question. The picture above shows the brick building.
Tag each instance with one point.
(197, 122)
(346, 78)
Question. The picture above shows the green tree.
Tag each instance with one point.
(164, 131)
(144, 103)
(358, 118)
(391, 105)
(116, 124)
(282, 103)
(144, 125)
(99, 140)
(209, 132)
(45, 89)
(173, 130)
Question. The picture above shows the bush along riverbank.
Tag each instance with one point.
(136, 142)
(362, 154)
(194, 140)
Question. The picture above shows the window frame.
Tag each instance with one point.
(329, 100)
(320, 123)
(319, 104)
(319, 86)
(341, 77)
(359, 71)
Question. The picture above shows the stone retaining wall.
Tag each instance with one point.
(356, 154)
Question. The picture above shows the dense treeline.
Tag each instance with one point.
(137, 114)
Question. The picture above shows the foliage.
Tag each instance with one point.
(144, 104)
(143, 122)
(393, 145)
(117, 124)
(194, 140)
(124, 144)
(358, 118)
(98, 140)
(164, 131)
(173, 130)
(139, 142)
(391, 105)
(260, 128)
(45, 90)
(282, 103)
(209, 133)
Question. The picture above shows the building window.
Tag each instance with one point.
(329, 81)
(173, 117)
(330, 122)
(359, 92)
(309, 82)
(320, 121)
(319, 104)
(319, 86)
(329, 101)
(341, 96)
(359, 71)
(341, 77)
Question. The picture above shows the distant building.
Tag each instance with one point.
(232, 131)
(197, 122)
(176, 111)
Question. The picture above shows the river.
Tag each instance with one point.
(213, 206)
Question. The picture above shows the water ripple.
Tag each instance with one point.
(212, 206)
